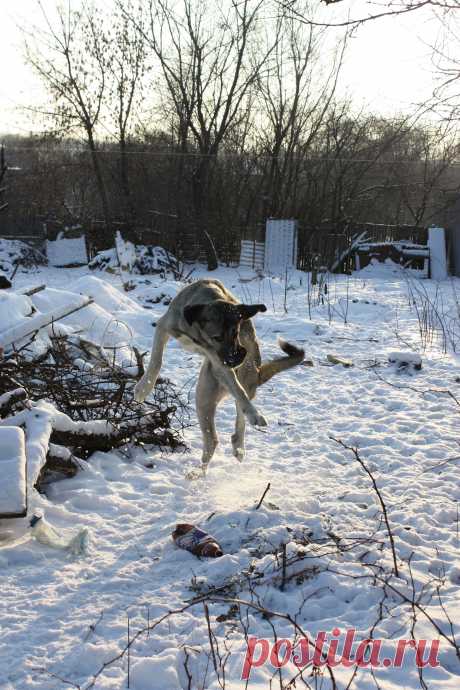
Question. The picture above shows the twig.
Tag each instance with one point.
(44, 671)
(441, 464)
(379, 495)
(211, 643)
(132, 640)
(93, 626)
(187, 670)
(285, 290)
(28, 292)
(414, 621)
(458, 535)
(283, 580)
(375, 576)
(129, 652)
(282, 616)
(267, 489)
(139, 362)
(420, 391)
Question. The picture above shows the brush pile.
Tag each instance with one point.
(14, 253)
(83, 409)
(70, 385)
(142, 260)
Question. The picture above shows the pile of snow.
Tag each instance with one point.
(141, 259)
(14, 454)
(162, 294)
(105, 295)
(15, 252)
(13, 495)
(108, 322)
(13, 309)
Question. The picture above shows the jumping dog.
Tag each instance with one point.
(206, 318)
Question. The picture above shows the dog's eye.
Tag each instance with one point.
(218, 338)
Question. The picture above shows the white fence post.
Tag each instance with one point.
(438, 258)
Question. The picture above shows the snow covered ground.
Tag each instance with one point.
(62, 618)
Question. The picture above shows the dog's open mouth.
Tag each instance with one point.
(234, 359)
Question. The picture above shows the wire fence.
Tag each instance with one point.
(173, 200)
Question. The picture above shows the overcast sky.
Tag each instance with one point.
(388, 64)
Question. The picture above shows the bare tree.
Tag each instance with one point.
(447, 65)
(377, 10)
(127, 68)
(70, 57)
(296, 94)
(424, 173)
(210, 64)
(93, 66)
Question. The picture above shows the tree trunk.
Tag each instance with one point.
(200, 188)
(129, 211)
(100, 185)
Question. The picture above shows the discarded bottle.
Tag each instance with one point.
(46, 534)
(196, 541)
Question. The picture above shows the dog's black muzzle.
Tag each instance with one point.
(234, 358)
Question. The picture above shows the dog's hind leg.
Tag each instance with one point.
(209, 392)
(149, 379)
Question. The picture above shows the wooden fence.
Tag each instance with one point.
(318, 246)
(322, 246)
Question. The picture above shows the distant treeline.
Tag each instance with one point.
(196, 121)
(371, 171)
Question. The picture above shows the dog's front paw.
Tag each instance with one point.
(239, 454)
(140, 392)
(255, 418)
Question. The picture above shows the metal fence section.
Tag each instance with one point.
(52, 186)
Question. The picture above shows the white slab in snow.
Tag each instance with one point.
(280, 245)
(13, 492)
(67, 252)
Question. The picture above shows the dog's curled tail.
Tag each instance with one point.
(295, 355)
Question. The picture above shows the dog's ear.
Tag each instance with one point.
(247, 311)
(192, 312)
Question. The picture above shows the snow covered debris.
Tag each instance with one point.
(405, 359)
(13, 492)
(141, 259)
(108, 322)
(15, 252)
(126, 253)
(162, 294)
(13, 309)
(105, 295)
(37, 424)
(27, 327)
(47, 535)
